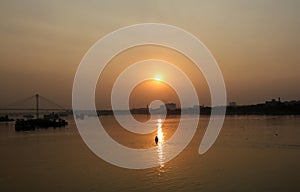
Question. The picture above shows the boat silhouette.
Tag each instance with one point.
(46, 122)
(5, 119)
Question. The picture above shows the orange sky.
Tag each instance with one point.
(143, 91)
(256, 44)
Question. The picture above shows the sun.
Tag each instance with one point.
(158, 78)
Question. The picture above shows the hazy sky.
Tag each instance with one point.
(256, 43)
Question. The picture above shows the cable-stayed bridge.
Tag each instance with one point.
(34, 104)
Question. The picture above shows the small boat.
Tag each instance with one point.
(5, 119)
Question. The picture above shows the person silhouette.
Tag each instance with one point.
(156, 140)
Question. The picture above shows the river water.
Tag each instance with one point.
(252, 153)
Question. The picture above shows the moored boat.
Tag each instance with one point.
(32, 124)
(5, 119)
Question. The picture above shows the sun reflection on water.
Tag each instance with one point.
(160, 144)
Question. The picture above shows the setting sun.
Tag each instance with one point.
(158, 78)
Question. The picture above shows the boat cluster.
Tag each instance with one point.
(32, 124)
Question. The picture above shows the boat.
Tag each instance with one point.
(24, 125)
(5, 119)
(32, 124)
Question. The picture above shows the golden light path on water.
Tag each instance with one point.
(160, 143)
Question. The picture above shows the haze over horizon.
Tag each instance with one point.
(256, 44)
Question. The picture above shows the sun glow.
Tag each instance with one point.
(158, 78)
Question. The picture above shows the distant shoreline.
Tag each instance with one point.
(272, 107)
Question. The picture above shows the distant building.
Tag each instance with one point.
(169, 106)
(273, 102)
